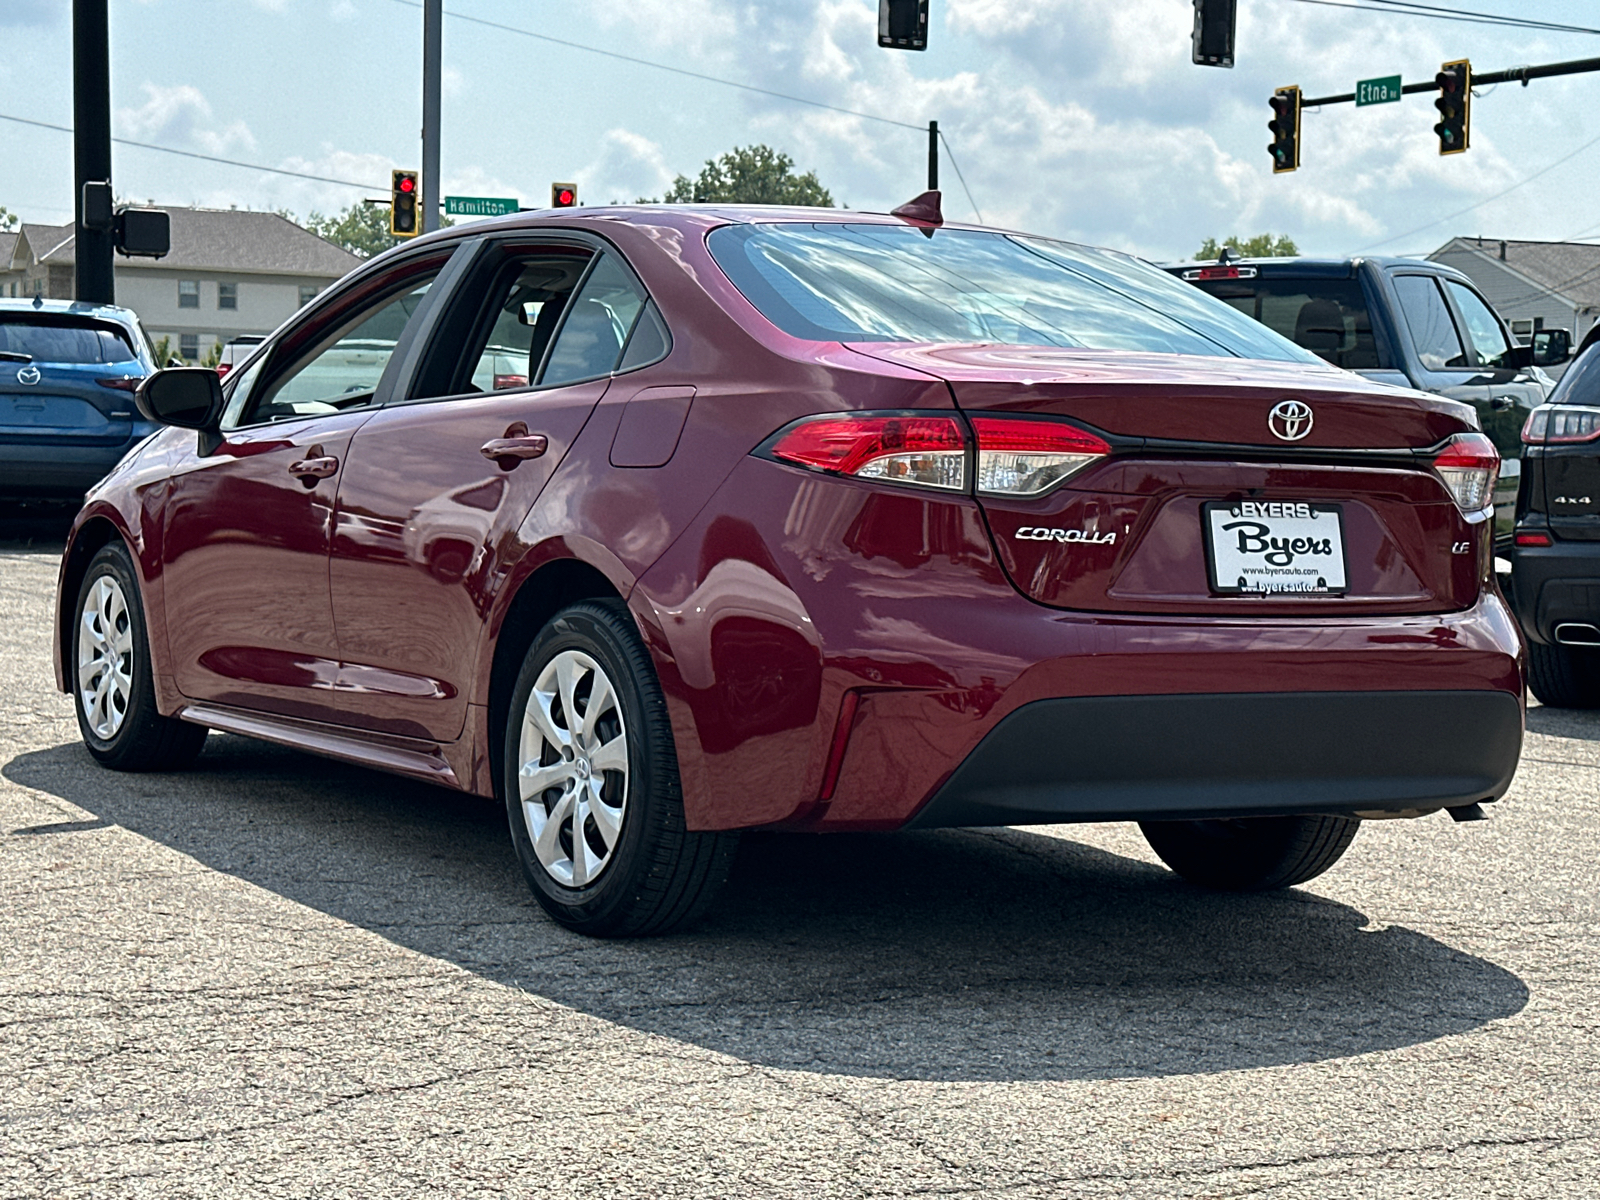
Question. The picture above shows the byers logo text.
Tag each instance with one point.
(1256, 538)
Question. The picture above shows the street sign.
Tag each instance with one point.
(1378, 91)
(479, 206)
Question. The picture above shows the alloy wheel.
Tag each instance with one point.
(105, 657)
(573, 777)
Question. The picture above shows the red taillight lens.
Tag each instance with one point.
(1219, 272)
(928, 451)
(501, 382)
(1019, 457)
(1533, 539)
(1469, 466)
(223, 369)
(123, 383)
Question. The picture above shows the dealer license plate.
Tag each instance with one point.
(1274, 546)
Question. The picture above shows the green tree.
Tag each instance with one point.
(213, 356)
(362, 229)
(8, 219)
(749, 175)
(1263, 245)
(164, 352)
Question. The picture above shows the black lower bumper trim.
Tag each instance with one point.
(1106, 758)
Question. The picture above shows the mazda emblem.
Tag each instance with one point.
(1290, 420)
(28, 375)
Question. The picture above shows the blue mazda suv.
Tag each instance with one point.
(67, 377)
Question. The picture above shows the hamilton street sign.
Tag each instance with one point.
(479, 206)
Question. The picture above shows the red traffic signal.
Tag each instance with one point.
(563, 195)
(403, 204)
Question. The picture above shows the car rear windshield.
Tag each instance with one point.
(842, 282)
(1325, 316)
(64, 340)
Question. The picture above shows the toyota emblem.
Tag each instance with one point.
(1289, 420)
(28, 375)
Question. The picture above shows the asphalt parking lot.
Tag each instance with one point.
(276, 975)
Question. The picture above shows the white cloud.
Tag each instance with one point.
(628, 166)
(181, 116)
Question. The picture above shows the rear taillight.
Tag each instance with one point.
(1468, 467)
(1533, 539)
(1019, 457)
(1561, 423)
(123, 383)
(223, 369)
(501, 382)
(925, 450)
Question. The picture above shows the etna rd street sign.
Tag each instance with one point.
(1378, 91)
(479, 206)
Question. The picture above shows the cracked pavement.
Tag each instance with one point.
(278, 976)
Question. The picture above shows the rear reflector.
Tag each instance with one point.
(1468, 467)
(1533, 539)
(1019, 457)
(923, 450)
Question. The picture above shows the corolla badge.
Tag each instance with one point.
(1290, 420)
(28, 375)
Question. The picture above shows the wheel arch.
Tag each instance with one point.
(91, 534)
(545, 591)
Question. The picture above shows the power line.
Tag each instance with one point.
(212, 158)
(961, 177)
(1488, 200)
(1396, 8)
(645, 62)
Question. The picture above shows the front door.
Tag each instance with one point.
(438, 486)
(248, 525)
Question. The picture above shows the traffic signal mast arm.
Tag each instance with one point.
(1514, 75)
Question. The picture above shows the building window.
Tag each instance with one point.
(227, 295)
(188, 293)
(308, 292)
(189, 346)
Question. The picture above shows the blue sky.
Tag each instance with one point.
(1069, 117)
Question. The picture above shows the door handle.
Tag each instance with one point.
(516, 445)
(316, 465)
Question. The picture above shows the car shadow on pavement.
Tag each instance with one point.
(948, 955)
(1580, 723)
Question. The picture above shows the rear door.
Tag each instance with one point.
(437, 485)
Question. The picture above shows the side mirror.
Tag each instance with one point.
(1515, 358)
(190, 397)
(1551, 347)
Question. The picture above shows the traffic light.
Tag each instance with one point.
(903, 24)
(1285, 126)
(403, 204)
(1213, 32)
(563, 195)
(1455, 106)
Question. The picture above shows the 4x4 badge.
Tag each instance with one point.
(1290, 420)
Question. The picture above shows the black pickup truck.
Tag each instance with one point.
(1404, 321)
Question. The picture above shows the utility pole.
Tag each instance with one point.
(432, 57)
(91, 155)
(933, 156)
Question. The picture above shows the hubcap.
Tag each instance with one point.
(105, 657)
(573, 781)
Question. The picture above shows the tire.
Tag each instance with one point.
(1253, 854)
(637, 870)
(113, 689)
(1564, 676)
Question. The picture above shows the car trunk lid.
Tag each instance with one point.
(1257, 443)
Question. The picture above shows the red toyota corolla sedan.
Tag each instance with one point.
(662, 523)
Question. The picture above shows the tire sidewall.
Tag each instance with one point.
(114, 560)
(591, 629)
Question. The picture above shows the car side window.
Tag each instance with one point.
(1489, 343)
(1432, 329)
(341, 371)
(591, 338)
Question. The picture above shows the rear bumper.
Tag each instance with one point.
(60, 470)
(1233, 754)
(1554, 585)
